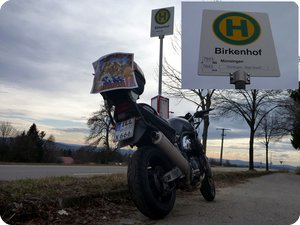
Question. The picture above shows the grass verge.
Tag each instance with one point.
(224, 179)
(101, 196)
(22, 200)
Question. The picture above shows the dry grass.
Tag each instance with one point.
(224, 179)
(49, 189)
(29, 198)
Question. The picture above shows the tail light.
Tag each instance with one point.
(124, 110)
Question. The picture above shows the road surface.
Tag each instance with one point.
(20, 171)
(15, 172)
(268, 200)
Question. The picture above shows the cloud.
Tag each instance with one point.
(75, 130)
(283, 156)
(2, 2)
(49, 45)
(47, 48)
(42, 51)
(237, 128)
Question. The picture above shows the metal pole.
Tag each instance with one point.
(221, 156)
(161, 38)
(222, 142)
(240, 79)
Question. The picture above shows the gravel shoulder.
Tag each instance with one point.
(269, 200)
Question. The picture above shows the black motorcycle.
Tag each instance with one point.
(169, 155)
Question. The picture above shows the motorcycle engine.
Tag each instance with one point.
(187, 146)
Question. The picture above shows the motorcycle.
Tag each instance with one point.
(169, 155)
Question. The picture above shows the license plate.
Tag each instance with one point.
(125, 129)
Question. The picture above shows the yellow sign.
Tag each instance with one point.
(162, 16)
(236, 28)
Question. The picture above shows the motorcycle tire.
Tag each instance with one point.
(145, 171)
(208, 189)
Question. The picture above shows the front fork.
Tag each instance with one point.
(203, 160)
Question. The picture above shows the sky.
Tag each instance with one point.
(47, 48)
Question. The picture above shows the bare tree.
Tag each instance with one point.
(253, 106)
(6, 131)
(295, 112)
(202, 98)
(295, 140)
(271, 128)
(50, 150)
(100, 128)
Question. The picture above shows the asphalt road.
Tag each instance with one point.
(19, 171)
(268, 200)
(15, 172)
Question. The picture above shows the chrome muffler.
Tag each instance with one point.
(163, 143)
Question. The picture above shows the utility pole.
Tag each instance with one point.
(222, 142)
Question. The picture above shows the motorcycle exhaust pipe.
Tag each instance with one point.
(163, 143)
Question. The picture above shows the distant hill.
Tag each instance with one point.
(74, 147)
(65, 146)
(242, 163)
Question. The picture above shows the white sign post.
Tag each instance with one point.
(162, 23)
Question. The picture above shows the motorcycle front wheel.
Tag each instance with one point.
(145, 171)
(207, 188)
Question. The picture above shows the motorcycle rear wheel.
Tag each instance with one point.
(145, 171)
